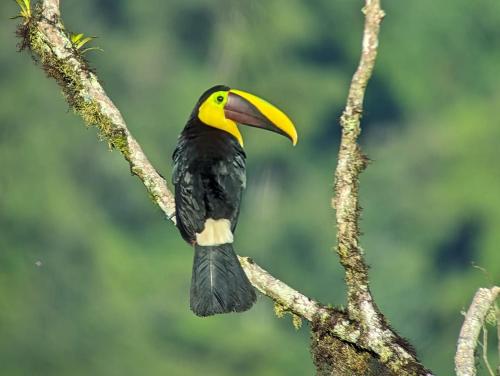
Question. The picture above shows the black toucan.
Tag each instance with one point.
(209, 177)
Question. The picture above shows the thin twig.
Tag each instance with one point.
(484, 348)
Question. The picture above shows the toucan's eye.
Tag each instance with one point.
(220, 98)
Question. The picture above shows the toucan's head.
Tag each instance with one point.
(221, 107)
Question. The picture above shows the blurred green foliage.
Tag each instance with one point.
(93, 280)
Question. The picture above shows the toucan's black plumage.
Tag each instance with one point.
(209, 177)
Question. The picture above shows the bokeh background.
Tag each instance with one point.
(95, 281)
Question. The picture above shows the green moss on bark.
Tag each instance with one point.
(69, 73)
(334, 357)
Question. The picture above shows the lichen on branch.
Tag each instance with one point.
(377, 336)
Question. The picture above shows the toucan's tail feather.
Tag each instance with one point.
(219, 284)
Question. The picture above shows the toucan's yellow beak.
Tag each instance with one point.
(248, 109)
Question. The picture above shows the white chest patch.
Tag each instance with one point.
(216, 232)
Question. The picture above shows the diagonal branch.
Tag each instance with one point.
(282, 293)
(46, 38)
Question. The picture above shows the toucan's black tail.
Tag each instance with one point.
(219, 284)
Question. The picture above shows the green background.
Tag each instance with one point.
(95, 281)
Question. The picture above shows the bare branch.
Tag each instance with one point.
(482, 302)
(351, 162)
(281, 293)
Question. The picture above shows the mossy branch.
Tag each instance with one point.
(351, 162)
(44, 35)
(392, 350)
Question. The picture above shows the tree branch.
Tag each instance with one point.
(483, 301)
(281, 293)
(351, 162)
(379, 337)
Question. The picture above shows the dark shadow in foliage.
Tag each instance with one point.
(194, 27)
(301, 258)
(299, 240)
(326, 138)
(112, 14)
(458, 251)
(381, 106)
(323, 52)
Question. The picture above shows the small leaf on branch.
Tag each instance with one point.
(79, 40)
(25, 12)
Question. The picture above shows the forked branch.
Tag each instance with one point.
(363, 325)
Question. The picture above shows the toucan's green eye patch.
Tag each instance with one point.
(219, 97)
(211, 113)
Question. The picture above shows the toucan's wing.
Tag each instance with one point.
(189, 196)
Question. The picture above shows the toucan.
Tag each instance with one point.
(209, 177)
